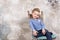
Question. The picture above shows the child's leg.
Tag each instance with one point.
(39, 34)
(48, 35)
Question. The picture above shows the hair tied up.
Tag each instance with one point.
(30, 15)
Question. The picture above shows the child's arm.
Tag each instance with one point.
(43, 28)
(32, 27)
(43, 31)
(33, 30)
(42, 24)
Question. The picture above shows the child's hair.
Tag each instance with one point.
(35, 9)
(30, 15)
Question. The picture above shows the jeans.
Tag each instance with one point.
(47, 34)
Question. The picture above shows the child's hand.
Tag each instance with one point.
(43, 31)
(35, 33)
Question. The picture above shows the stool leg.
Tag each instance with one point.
(42, 39)
(34, 38)
(39, 39)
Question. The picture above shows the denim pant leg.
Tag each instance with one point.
(48, 35)
(39, 34)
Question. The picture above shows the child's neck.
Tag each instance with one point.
(35, 18)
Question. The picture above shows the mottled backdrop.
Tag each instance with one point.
(14, 18)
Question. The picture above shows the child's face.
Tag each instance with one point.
(35, 14)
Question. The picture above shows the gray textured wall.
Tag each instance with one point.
(14, 19)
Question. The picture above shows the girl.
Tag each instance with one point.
(37, 26)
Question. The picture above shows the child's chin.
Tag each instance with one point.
(36, 18)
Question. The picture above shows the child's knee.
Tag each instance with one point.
(48, 33)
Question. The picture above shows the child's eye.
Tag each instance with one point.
(37, 14)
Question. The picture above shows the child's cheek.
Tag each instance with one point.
(37, 16)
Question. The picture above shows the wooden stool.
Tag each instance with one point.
(44, 37)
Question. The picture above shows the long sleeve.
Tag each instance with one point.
(42, 25)
(32, 26)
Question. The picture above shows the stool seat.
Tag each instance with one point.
(44, 37)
